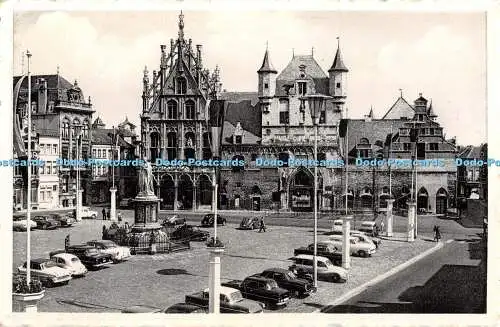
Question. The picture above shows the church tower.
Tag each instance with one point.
(267, 82)
(338, 81)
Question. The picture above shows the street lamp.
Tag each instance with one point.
(28, 199)
(114, 141)
(78, 129)
(316, 102)
(216, 124)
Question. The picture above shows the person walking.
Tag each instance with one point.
(262, 225)
(103, 213)
(437, 233)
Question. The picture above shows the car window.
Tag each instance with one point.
(291, 275)
(223, 298)
(49, 264)
(278, 276)
(321, 264)
(24, 265)
(353, 241)
(35, 265)
(75, 259)
(236, 296)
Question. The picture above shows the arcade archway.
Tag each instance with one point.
(301, 191)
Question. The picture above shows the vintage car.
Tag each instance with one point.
(208, 220)
(21, 224)
(231, 301)
(91, 257)
(289, 281)
(360, 246)
(70, 262)
(324, 249)
(261, 289)
(189, 233)
(370, 228)
(173, 221)
(47, 271)
(176, 308)
(63, 220)
(337, 226)
(45, 222)
(303, 264)
(87, 213)
(250, 223)
(118, 253)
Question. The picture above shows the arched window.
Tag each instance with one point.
(190, 111)
(181, 85)
(189, 145)
(207, 151)
(76, 123)
(364, 141)
(172, 109)
(155, 145)
(65, 128)
(171, 146)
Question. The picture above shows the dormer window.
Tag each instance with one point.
(238, 139)
(302, 87)
(181, 85)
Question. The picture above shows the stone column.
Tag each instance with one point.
(389, 216)
(412, 211)
(112, 214)
(175, 194)
(79, 203)
(346, 243)
(214, 280)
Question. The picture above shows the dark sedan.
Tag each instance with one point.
(44, 222)
(185, 308)
(289, 281)
(173, 221)
(208, 220)
(189, 233)
(250, 223)
(90, 256)
(64, 220)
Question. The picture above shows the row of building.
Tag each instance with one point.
(272, 123)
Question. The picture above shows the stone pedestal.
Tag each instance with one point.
(146, 214)
(112, 214)
(346, 243)
(27, 302)
(214, 280)
(389, 218)
(412, 212)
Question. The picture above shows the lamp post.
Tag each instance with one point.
(112, 190)
(316, 102)
(216, 122)
(28, 199)
(78, 192)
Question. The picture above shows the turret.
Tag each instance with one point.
(338, 80)
(267, 82)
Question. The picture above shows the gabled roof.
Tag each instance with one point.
(101, 137)
(53, 81)
(267, 67)
(471, 152)
(240, 96)
(248, 115)
(291, 71)
(338, 63)
(400, 108)
(126, 122)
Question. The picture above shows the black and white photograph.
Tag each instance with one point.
(191, 161)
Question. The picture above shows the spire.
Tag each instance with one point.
(181, 26)
(338, 63)
(430, 111)
(370, 114)
(267, 67)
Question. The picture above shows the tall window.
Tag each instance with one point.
(181, 85)
(189, 146)
(207, 152)
(190, 113)
(171, 146)
(302, 86)
(155, 145)
(172, 109)
(284, 111)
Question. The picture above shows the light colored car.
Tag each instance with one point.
(21, 224)
(85, 212)
(304, 263)
(47, 271)
(71, 263)
(337, 226)
(369, 227)
(360, 245)
(118, 253)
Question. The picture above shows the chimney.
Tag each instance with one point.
(198, 56)
(42, 96)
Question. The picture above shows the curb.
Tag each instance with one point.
(352, 293)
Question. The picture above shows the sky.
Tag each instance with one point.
(441, 55)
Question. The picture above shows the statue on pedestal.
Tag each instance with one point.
(146, 180)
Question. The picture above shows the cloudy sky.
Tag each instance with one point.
(441, 55)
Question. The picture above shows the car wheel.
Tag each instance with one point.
(335, 278)
(94, 217)
(66, 282)
(44, 226)
(362, 254)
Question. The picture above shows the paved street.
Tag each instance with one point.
(164, 279)
(451, 280)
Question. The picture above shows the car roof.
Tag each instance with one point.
(281, 270)
(184, 306)
(309, 257)
(40, 260)
(65, 255)
(223, 290)
(366, 223)
(259, 278)
(81, 246)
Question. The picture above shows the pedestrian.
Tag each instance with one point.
(109, 214)
(119, 216)
(262, 225)
(437, 233)
(382, 227)
(103, 213)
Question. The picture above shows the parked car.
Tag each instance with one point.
(89, 256)
(45, 222)
(47, 271)
(362, 247)
(208, 220)
(303, 264)
(261, 289)
(86, 212)
(370, 228)
(231, 301)
(189, 233)
(289, 281)
(176, 308)
(250, 223)
(118, 253)
(337, 226)
(70, 262)
(21, 224)
(324, 249)
(174, 221)
(63, 220)
(365, 238)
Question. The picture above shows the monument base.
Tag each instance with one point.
(146, 213)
